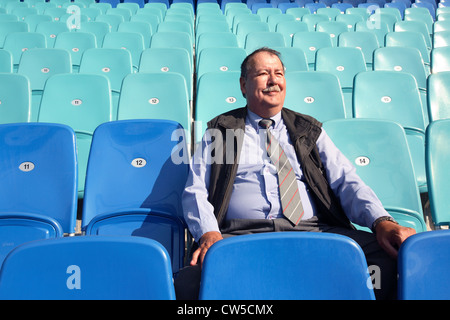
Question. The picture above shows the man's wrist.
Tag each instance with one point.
(381, 219)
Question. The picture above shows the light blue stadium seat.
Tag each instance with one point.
(369, 145)
(404, 59)
(256, 40)
(173, 39)
(6, 61)
(138, 192)
(367, 41)
(345, 63)
(15, 98)
(39, 177)
(312, 19)
(115, 64)
(7, 27)
(394, 96)
(34, 19)
(38, 65)
(319, 255)
(222, 59)
(215, 39)
(112, 20)
(438, 95)
(309, 98)
(245, 27)
(289, 28)
(51, 29)
(218, 89)
(310, 42)
(18, 42)
(437, 157)
(294, 59)
(81, 101)
(410, 39)
(145, 96)
(76, 43)
(88, 268)
(140, 27)
(414, 25)
(350, 20)
(333, 28)
(423, 263)
(378, 28)
(131, 41)
(156, 60)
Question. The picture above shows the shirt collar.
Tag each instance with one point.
(254, 119)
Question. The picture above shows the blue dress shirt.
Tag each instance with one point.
(255, 191)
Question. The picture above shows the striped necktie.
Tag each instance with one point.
(287, 183)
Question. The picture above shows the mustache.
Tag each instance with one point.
(272, 88)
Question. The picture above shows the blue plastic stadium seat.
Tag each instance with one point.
(136, 174)
(369, 145)
(332, 267)
(39, 172)
(88, 268)
(423, 264)
(437, 157)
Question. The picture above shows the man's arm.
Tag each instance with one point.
(358, 200)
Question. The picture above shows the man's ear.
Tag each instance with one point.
(242, 83)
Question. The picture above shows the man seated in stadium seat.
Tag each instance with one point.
(226, 197)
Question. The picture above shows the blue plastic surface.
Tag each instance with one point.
(423, 265)
(286, 265)
(88, 267)
(39, 171)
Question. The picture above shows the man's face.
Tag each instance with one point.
(265, 85)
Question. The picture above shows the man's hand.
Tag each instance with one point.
(390, 236)
(206, 241)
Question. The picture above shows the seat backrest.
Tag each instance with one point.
(305, 94)
(294, 59)
(438, 94)
(440, 59)
(333, 28)
(256, 40)
(245, 27)
(51, 29)
(82, 101)
(17, 42)
(423, 263)
(335, 266)
(76, 43)
(389, 95)
(289, 27)
(168, 60)
(344, 62)
(145, 96)
(370, 145)
(166, 39)
(90, 268)
(41, 63)
(6, 61)
(218, 89)
(112, 63)
(131, 41)
(7, 27)
(223, 59)
(437, 157)
(146, 168)
(365, 40)
(98, 28)
(15, 98)
(140, 27)
(39, 171)
(409, 39)
(310, 42)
